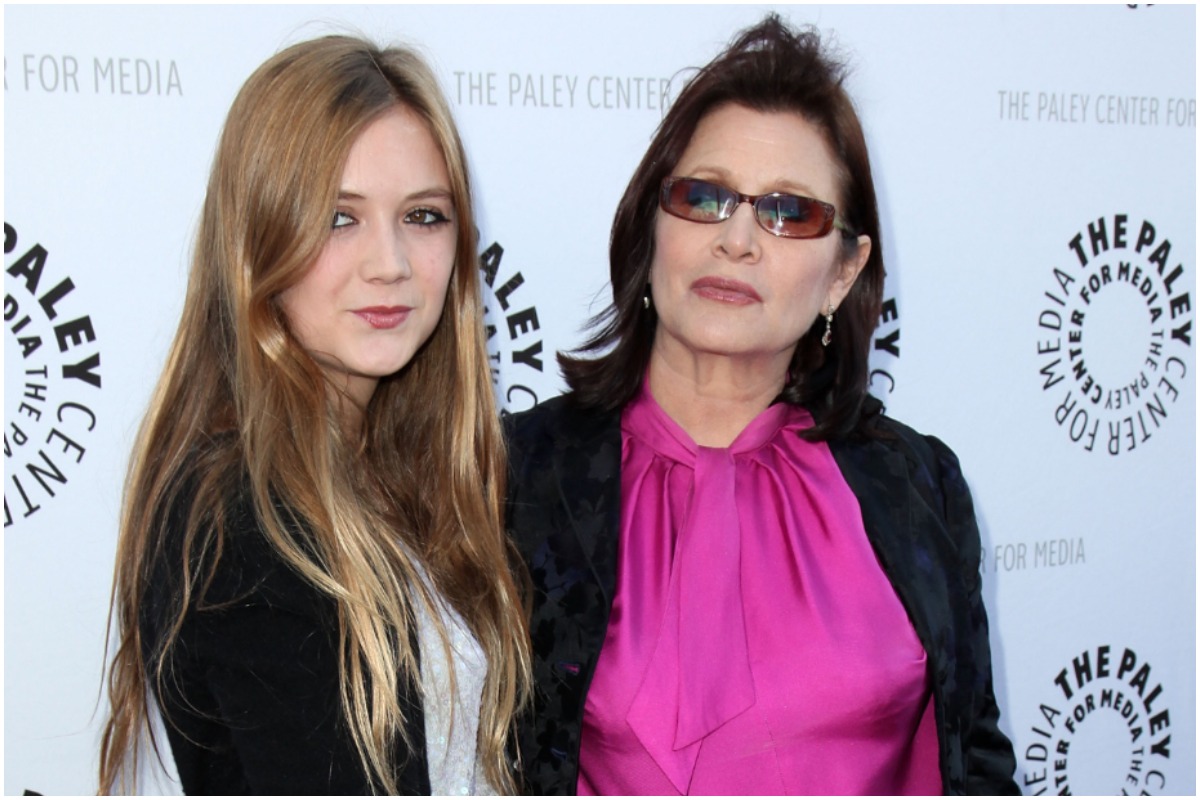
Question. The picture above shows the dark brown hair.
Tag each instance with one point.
(769, 68)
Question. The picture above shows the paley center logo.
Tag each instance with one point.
(514, 334)
(1104, 727)
(51, 379)
(1114, 334)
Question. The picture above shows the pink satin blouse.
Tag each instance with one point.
(755, 645)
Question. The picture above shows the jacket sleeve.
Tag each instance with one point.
(988, 753)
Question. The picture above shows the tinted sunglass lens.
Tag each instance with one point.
(797, 217)
(804, 217)
(703, 200)
(697, 200)
(782, 214)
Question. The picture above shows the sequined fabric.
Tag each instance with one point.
(451, 718)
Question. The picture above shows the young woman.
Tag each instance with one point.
(312, 584)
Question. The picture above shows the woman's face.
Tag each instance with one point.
(376, 291)
(732, 288)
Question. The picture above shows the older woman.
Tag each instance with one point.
(747, 579)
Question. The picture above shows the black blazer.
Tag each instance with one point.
(564, 514)
(252, 703)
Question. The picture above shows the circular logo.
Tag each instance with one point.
(1106, 730)
(1114, 336)
(514, 334)
(51, 376)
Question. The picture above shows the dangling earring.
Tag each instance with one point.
(646, 298)
(828, 337)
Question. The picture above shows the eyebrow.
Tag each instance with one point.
(723, 176)
(432, 193)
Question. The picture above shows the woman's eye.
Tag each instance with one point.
(341, 219)
(426, 216)
(704, 200)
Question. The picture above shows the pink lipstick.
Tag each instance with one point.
(383, 317)
(726, 290)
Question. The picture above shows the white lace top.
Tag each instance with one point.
(451, 724)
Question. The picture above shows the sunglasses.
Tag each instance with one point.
(788, 215)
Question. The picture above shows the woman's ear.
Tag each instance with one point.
(849, 270)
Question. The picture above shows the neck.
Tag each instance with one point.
(350, 415)
(713, 398)
(350, 403)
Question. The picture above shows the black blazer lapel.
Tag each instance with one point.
(587, 469)
(909, 537)
(564, 515)
(903, 514)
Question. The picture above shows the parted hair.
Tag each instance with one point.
(419, 487)
(770, 68)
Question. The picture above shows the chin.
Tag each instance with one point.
(723, 342)
(384, 369)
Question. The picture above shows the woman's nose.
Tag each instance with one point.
(388, 259)
(739, 236)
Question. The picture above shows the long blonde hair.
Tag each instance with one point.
(239, 396)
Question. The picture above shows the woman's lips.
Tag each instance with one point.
(383, 317)
(726, 291)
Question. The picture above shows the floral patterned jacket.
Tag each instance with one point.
(563, 514)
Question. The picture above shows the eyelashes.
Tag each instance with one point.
(426, 216)
(423, 216)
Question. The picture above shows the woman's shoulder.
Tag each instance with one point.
(561, 446)
(930, 462)
(558, 423)
(547, 418)
(892, 433)
(212, 529)
(913, 480)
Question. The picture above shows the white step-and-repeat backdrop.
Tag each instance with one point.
(1036, 171)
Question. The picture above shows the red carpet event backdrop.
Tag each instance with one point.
(1036, 169)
